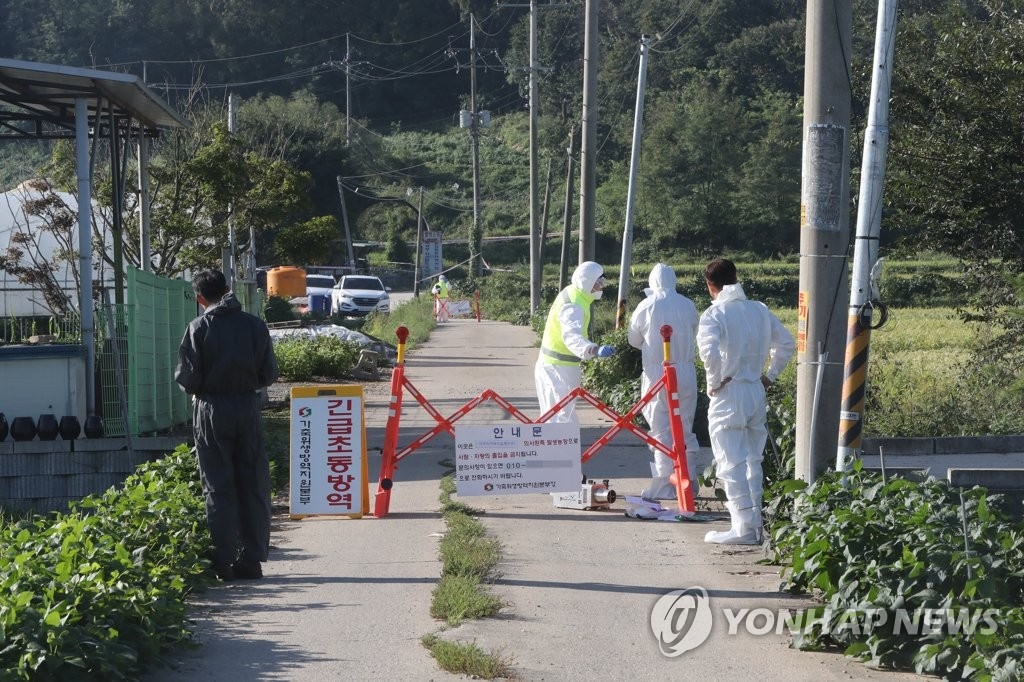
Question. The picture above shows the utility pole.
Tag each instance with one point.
(476, 247)
(588, 151)
(865, 247)
(348, 90)
(344, 221)
(419, 242)
(634, 161)
(229, 266)
(544, 213)
(563, 263)
(824, 232)
(536, 268)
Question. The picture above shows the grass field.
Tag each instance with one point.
(922, 382)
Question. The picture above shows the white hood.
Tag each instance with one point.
(586, 275)
(662, 278)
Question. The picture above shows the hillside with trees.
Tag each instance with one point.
(367, 95)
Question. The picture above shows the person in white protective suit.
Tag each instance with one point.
(736, 338)
(566, 344)
(665, 306)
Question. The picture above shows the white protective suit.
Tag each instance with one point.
(736, 338)
(554, 381)
(665, 306)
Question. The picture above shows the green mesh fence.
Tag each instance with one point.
(147, 330)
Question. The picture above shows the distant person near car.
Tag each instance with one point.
(441, 291)
(225, 357)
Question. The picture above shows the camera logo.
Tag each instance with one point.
(681, 620)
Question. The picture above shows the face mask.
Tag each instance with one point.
(597, 294)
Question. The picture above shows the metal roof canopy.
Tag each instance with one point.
(44, 96)
(50, 101)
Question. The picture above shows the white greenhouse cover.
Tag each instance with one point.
(22, 300)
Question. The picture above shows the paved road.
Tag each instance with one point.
(350, 599)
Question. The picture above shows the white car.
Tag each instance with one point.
(359, 295)
(318, 292)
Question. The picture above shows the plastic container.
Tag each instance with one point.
(286, 281)
(319, 303)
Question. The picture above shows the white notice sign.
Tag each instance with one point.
(517, 458)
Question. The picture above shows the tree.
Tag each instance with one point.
(202, 178)
(303, 131)
(44, 245)
(956, 168)
(307, 243)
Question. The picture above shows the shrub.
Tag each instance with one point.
(300, 359)
(278, 309)
(99, 592)
(868, 547)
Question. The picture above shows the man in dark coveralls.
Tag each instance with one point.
(225, 357)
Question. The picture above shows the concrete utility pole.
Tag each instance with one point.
(563, 263)
(544, 215)
(634, 161)
(229, 265)
(348, 90)
(476, 248)
(865, 249)
(824, 232)
(350, 251)
(536, 267)
(588, 151)
(419, 246)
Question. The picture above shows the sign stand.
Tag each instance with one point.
(328, 465)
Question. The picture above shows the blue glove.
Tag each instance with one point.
(605, 351)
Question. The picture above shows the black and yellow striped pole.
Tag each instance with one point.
(855, 379)
(865, 254)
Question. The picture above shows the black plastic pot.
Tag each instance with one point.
(47, 427)
(23, 428)
(69, 427)
(94, 426)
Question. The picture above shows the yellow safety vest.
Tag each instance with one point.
(441, 289)
(552, 347)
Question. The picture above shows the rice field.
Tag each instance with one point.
(921, 381)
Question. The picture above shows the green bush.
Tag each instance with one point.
(99, 592)
(302, 359)
(416, 315)
(616, 380)
(278, 309)
(867, 548)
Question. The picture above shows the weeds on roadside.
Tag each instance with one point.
(468, 561)
(467, 658)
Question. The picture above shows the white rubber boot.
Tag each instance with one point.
(659, 489)
(743, 531)
(758, 519)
